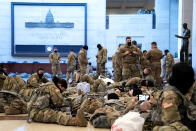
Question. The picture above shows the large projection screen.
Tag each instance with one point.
(39, 27)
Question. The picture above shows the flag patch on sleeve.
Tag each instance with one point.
(167, 105)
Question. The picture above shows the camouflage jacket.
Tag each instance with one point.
(71, 59)
(102, 56)
(154, 55)
(130, 58)
(173, 107)
(82, 58)
(47, 96)
(54, 58)
(2, 79)
(169, 60)
(34, 81)
(117, 60)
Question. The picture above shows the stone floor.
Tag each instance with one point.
(12, 123)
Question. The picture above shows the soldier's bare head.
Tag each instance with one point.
(166, 51)
(85, 47)
(182, 77)
(55, 49)
(128, 39)
(99, 46)
(61, 84)
(71, 50)
(40, 72)
(134, 42)
(153, 45)
(145, 51)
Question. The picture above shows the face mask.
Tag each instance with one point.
(40, 75)
(55, 51)
(129, 43)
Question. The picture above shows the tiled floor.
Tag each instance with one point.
(22, 125)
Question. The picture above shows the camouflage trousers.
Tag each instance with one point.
(89, 105)
(129, 71)
(100, 69)
(156, 72)
(87, 78)
(176, 126)
(68, 75)
(56, 69)
(168, 72)
(14, 107)
(50, 116)
(98, 86)
(117, 74)
(82, 70)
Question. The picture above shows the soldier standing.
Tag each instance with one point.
(169, 63)
(117, 65)
(154, 56)
(54, 60)
(71, 64)
(83, 60)
(129, 59)
(101, 60)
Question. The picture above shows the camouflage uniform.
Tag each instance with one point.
(2, 79)
(104, 117)
(88, 79)
(145, 62)
(117, 66)
(54, 60)
(173, 111)
(46, 108)
(169, 64)
(12, 102)
(154, 56)
(130, 67)
(98, 86)
(32, 83)
(101, 60)
(71, 65)
(83, 61)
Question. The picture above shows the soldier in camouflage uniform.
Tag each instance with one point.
(117, 65)
(33, 82)
(154, 56)
(71, 65)
(3, 75)
(83, 60)
(54, 59)
(129, 55)
(140, 56)
(169, 63)
(11, 102)
(46, 106)
(101, 60)
(174, 111)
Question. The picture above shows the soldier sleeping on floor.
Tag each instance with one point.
(52, 102)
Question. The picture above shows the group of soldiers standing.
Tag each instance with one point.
(129, 62)
(100, 100)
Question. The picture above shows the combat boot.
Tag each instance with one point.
(80, 119)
